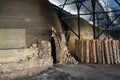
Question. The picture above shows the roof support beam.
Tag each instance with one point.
(117, 2)
(69, 27)
(94, 7)
(78, 5)
(108, 26)
(64, 4)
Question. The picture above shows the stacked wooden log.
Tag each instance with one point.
(98, 51)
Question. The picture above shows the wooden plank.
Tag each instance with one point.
(82, 49)
(100, 54)
(114, 52)
(98, 51)
(110, 52)
(77, 49)
(87, 51)
(117, 50)
(90, 51)
(94, 60)
(107, 58)
(103, 51)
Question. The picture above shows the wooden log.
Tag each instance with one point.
(110, 52)
(119, 44)
(102, 51)
(107, 56)
(82, 53)
(84, 50)
(90, 51)
(114, 51)
(98, 51)
(117, 51)
(94, 60)
(87, 51)
(100, 54)
(77, 50)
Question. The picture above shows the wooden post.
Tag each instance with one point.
(77, 49)
(84, 50)
(87, 51)
(100, 54)
(110, 51)
(90, 51)
(82, 53)
(98, 51)
(94, 60)
(103, 51)
(107, 57)
(114, 51)
(117, 50)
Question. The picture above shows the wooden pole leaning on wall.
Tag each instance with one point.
(94, 59)
(102, 51)
(114, 52)
(110, 51)
(77, 49)
(117, 51)
(82, 51)
(87, 51)
(98, 51)
(107, 57)
(90, 51)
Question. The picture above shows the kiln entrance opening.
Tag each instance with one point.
(53, 50)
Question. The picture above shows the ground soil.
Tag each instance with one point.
(78, 72)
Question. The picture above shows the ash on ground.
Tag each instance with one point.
(50, 74)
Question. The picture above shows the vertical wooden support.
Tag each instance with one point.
(114, 51)
(84, 50)
(103, 52)
(100, 54)
(107, 57)
(98, 51)
(82, 53)
(117, 50)
(87, 51)
(94, 60)
(77, 49)
(119, 44)
(90, 51)
(110, 52)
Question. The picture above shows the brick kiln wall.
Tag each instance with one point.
(30, 64)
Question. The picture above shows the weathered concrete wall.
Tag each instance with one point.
(12, 38)
(35, 16)
(86, 31)
(15, 55)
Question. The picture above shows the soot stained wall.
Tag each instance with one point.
(35, 16)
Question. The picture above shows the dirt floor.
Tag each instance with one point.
(78, 72)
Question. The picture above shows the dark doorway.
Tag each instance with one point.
(53, 50)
